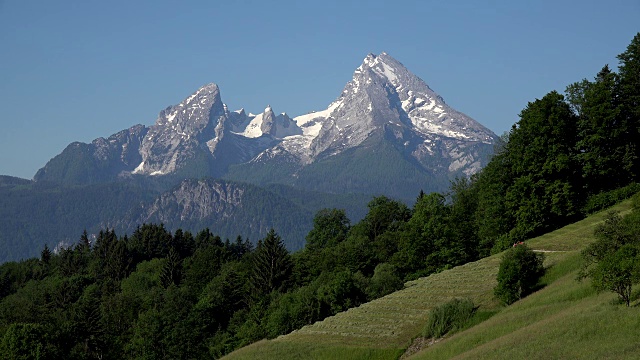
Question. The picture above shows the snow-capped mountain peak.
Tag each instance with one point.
(266, 123)
(180, 129)
(383, 95)
(383, 103)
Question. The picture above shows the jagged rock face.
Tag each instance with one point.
(194, 200)
(121, 147)
(227, 208)
(181, 130)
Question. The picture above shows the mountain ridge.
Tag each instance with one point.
(201, 137)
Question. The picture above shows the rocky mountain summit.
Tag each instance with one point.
(384, 109)
(384, 96)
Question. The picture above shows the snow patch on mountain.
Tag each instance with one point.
(139, 169)
(253, 128)
(266, 123)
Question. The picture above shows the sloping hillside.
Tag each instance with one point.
(545, 321)
(566, 319)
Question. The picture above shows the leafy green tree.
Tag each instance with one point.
(601, 134)
(384, 214)
(183, 243)
(205, 238)
(618, 271)
(385, 280)
(84, 242)
(357, 254)
(541, 157)
(26, 341)
(119, 311)
(438, 230)
(492, 216)
(575, 96)
(612, 262)
(70, 262)
(143, 286)
(165, 330)
(223, 296)
(426, 242)
(344, 290)
(292, 311)
(519, 273)
(45, 261)
(330, 227)
(239, 248)
(5, 284)
(204, 265)
(603, 148)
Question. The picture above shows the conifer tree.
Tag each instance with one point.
(45, 255)
(629, 94)
(172, 269)
(272, 265)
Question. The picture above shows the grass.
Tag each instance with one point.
(565, 319)
(286, 349)
(383, 328)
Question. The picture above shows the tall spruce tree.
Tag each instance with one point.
(172, 270)
(629, 95)
(272, 265)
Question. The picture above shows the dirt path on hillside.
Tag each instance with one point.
(549, 251)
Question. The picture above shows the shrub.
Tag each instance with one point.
(635, 202)
(617, 272)
(612, 262)
(519, 273)
(449, 317)
(606, 199)
(385, 280)
(502, 243)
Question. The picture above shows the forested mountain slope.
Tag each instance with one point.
(561, 320)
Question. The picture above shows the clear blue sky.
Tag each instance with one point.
(76, 70)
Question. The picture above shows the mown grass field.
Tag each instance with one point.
(565, 319)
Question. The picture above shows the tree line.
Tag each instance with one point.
(567, 156)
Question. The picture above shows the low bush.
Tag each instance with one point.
(449, 317)
(519, 273)
(606, 199)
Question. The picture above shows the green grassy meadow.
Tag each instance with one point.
(565, 319)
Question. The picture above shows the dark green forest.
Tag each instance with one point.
(176, 295)
(33, 213)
